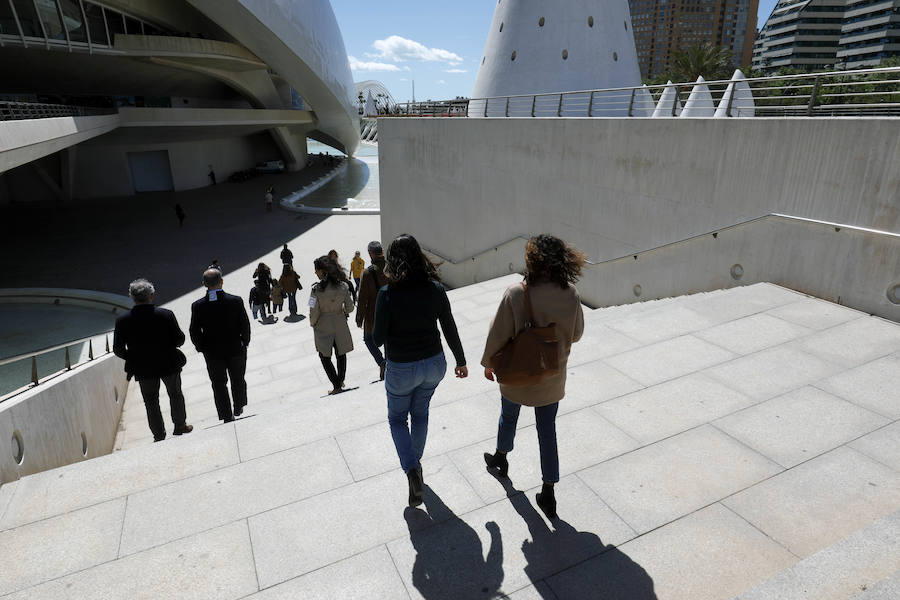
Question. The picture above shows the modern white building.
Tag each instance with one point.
(536, 47)
(122, 96)
(870, 33)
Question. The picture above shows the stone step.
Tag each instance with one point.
(846, 569)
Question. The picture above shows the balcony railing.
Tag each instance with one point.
(13, 111)
(839, 93)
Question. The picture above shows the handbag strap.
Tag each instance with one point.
(529, 313)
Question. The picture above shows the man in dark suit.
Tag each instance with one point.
(220, 329)
(147, 339)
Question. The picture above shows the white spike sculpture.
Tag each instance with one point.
(547, 47)
(370, 110)
(664, 106)
(643, 103)
(700, 102)
(739, 94)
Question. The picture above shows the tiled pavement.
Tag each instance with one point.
(708, 443)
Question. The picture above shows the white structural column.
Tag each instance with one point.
(539, 47)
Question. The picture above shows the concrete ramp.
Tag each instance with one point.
(707, 443)
(24, 141)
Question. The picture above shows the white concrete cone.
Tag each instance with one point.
(742, 104)
(700, 102)
(643, 103)
(549, 47)
(371, 110)
(664, 106)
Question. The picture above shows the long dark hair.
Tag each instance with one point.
(406, 263)
(549, 259)
(332, 272)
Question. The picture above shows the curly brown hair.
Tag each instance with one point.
(406, 263)
(549, 259)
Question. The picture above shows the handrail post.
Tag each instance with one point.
(533, 102)
(90, 349)
(106, 337)
(34, 375)
(591, 105)
(812, 97)
(630, 103)
(507, 106)
(68, 360)
(675, 101)
(559, 108)
(730, 100)
(486, 101)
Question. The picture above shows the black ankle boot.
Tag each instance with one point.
(547, 501)
(498, 461)
(415, 486)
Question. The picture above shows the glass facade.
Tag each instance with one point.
(72, 23)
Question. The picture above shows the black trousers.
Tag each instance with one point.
(220, 369)
(335, 377)
(150, 393)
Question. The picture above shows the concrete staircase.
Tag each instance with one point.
(734, 443)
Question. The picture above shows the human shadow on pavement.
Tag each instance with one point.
(294, 318)
(450, 563)
(600, 571)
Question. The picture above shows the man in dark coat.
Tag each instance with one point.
(372, 280)
(220, 329)
(147, 339)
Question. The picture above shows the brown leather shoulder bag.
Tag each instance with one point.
(531, 356)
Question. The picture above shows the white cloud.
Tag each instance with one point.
(399, 49)
(358, 65)
(456, 71)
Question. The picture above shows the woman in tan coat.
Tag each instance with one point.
(551, 269)
(330, 304)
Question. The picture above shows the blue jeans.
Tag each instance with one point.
(546, 432)
(292, 303)
(409, 389)
(258, 309)
(373, 349)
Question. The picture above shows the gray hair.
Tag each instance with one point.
(141, 291)
(375, 248)
(212, 277)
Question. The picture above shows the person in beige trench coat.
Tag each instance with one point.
(330, 305)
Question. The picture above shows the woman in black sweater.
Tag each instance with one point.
(406, 315)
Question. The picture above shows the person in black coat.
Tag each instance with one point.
(147, 339)
(220, 329)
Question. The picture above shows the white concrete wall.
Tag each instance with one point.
(51, 418)
(614, 187)
(103, 170)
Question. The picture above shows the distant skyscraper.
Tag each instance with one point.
(823, 34)
(663, 26)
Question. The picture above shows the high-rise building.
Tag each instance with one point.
(663, 26)
(825, 34)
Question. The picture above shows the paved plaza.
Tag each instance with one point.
(739, 442)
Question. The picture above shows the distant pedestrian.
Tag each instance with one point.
(407, 311)
(269, 198)
(212, 175)
(179, 212)
(147, 339)
(264, 274)
(290, 283)
(373, 279)
(220, 330)
(287, 257)
(356, 268)
(277, 297)
(330, 304)
(258, 299)
(333, 255)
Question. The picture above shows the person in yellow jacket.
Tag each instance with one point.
(357, 265)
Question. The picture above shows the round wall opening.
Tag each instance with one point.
(84, 446)
(513, 57)
(482, 59)
(590, 21)
(625, 23)
(116, 394)
(512, 267)
(541, 22)
(501, 26)
(18, 447)
(565, 54)
(893, 293)
(737, 271)
(637, 290)
(615, 56)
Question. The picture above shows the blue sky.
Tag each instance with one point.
(437, 44)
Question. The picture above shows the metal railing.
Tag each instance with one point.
(15, 111)
(838, 93)
(67, 365)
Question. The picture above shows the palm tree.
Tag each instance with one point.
(713, 62)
